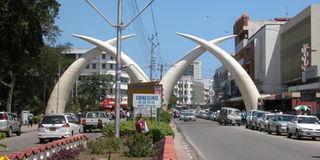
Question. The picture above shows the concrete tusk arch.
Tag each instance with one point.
(246, 86)
(133, 69)
(175, 72)
(69, 77)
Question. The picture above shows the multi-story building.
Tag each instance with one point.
(189, 88)
(103, 64)
(282, 57)
(300, 58)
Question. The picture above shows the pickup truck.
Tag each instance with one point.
(94, 120)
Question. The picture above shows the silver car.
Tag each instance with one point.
(9, 124)
(256, 120)
(264, 121)
(279, 123)
(55, 126)
(189, 116)
(304, 126)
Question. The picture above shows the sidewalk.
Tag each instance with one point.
(26, 129)
(182, 148)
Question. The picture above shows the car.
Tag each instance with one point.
(55, 126)
(230, 115)
(257, 119)
(304, 126)
(9, 124)
(264, 121)
(249, 118)
(189, 116)
(94, 120)
(182, 115)
(279, 123)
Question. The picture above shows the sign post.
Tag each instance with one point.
(146, 103)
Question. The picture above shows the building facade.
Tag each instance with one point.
(103, 64)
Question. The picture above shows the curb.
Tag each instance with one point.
(195, 152)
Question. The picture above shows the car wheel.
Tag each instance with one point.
(84, 129)
(220, 123)
(41, 140)
(278, 131)
(288, 133)
(18, 133)
(297, 135)
(314, 138)
(269, 131)
(239, 124)
(8, 133)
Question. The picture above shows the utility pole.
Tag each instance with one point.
(152, 57)
(120, 26)
(161, 70)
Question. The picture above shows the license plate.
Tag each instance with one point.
(52, 129)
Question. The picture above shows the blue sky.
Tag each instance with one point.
(208, 19)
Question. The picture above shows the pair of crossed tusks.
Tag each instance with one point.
(249, 92)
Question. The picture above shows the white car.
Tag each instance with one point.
(303, 126)
(55, 126)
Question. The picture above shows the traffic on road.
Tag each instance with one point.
(231, 134)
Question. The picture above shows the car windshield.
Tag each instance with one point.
(309, 120)
(285, 118)
(234, 112)
(260, 114)
(56, 119)
(269, 116)
(189, 114)
(96, 115)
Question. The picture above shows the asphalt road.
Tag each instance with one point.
(215, 142)
(30, 139)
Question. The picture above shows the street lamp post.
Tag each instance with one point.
(120, 26)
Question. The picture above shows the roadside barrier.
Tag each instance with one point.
(44, 151)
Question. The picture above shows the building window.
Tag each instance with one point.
(103, 56)
(111, 57)
(94, 66)
(111, 66)
(88, 66)
(103, 66)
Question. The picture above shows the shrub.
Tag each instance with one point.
(165, 116)
(126, 128)
(97, 146)
(2, 135)
(114, 144)
(159, 132)
(67, 154)
(140, 145)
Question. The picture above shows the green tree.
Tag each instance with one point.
(173, 101)
(92, 89)
(25, 25)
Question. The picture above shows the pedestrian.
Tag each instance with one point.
(140, 124)
(128, 115)
(30, 120)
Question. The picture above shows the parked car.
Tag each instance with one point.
(257, 119)
(55, 126)
(189, 116)
(249, 118)
(278, 123)
(9, 124)
(304, 126)
(230, 116)
(212, 116)
(182, 115)
(94, 120)
(264, 121)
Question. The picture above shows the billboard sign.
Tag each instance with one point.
(147, 100)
